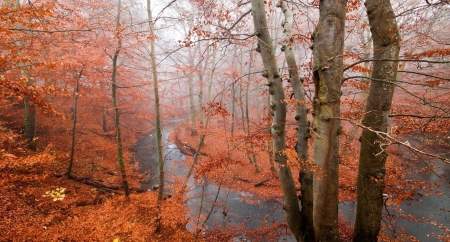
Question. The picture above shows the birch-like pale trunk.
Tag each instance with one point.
(290, 203)
(372, 159)
(328, 40)
(303, 132)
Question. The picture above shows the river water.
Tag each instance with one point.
(242, 208)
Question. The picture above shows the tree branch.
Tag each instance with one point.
(416, 116)
(238, 20)
(390, 139)
(400, 60)
(424, 74)
(50, 31)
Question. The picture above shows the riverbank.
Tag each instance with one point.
(223, 161)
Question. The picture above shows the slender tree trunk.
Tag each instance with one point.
(233, 109)
(30, 124)
(328, 49)
(116, 106)
(158, 119)
(372, 160)
(200, 79)
(191, 90)
(104, 119)
(246, 120)
(74, 124)
(30, 109)
(241, 90)
(290, 203)
(303, 132)
(211, 78)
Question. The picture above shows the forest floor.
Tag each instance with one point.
(39, 203)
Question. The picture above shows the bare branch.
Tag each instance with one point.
(161, 12)
(391, 139)
(399, 60)
(424, 74)
(416, 116)
(394, 82)
(239, 20)
(50, 31)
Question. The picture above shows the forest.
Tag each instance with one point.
(225, 120)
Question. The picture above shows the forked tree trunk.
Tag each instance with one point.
(303, 132)
(290, 203)
(372, 160)
(328, 40)
(116, 106)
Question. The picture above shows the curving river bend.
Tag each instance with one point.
(254, 212)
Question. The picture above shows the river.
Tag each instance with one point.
(234, 207)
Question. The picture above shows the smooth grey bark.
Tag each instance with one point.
(303, 131)
(328, 40)
(372, 160)
(74, 124)
(116, 105)
(290, 203)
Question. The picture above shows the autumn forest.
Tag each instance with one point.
(227, 120)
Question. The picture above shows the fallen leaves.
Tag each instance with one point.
(57, 194)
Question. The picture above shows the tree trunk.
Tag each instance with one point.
(290, 203)
(200, 79)
(30, 124)
(30, 109)
(104, 119)
(191, 90)
(74, 118)
(328, 40)
(247, 118)
(159, 147)
(372, 170)
(116, 106)
(303, 132)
